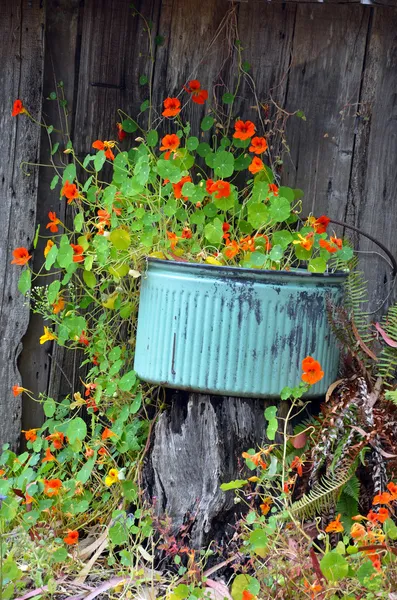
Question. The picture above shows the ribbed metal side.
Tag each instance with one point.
(238, 335)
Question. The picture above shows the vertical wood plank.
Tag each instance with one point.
(324, 82)
(21, 40)
(372, 202)
(41, 373)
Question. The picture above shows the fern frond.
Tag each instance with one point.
(352, 488)
(323, 495)
(387, 363)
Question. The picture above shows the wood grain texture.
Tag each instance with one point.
(324, 82)
(22, 50)
(372, 204)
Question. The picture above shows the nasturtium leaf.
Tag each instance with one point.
(84, 473)
(233, 485)
(198, 218)
(78, 222)
(88, 183)
(136, 404)
(260, 191)
(224, 164)
(246, 66)
(301, 253)
(317, 265)
(271, 417)
(76, 430)
(282, 238)
(108, 197)
(69, 174)
(168, 170)
(298, 193)
(129, 126)
(279, 209)
(265, 175)
(213, 232)
(152, 138)
(210, 210)
(49, 407)
(53, 290)
(390, 529)
(207, 122)
(225, 203)
(24, 281)
(119, 271)
(245, 227)
(184, 160)
(257, 260)
(143, 80)
(118, 533)
(144, 106)
(204, 149)
(276, 253)
(65, 254)
(89, 279)
(286, 192)
(258, 539)
(242, 583)
(120, 239)
(54, 182)
(241, 143)
(192, 143)
(55, 148)
(334, 566)
(258, 215)
(99, 160)
(228, 98)
(59, 555)
(121, 167)
(127, 381)
(345, 254)
(242, 162)
(51, 257)
(366, 573)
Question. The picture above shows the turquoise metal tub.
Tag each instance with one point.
(234, 331)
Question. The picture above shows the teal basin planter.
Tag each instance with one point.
(233, 331)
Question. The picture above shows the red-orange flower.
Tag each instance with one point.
(199, 96)
(243, 130)
(57, 438)
(170, 142)
(48, 457)
(208, 185)
(173, 239)
(30, 435)
(256, 165)
(83, 339)
(258, 145)
(58, 306)
(335, 526)
(121, 134)
(177, 187)
(106, 146)
(247, 243)
(16, 390)
(77, 253)
(384, 498)
(186, 233)
(392, 487)
(18, 108)
(52, 487)
(21, 256)
(104, 217)
(312, 372)
(172, 107)
(247, 595)
(71, 538)
(297, 465)
(222, 189)
(53, 225)
(70, 191)
(378, 517)
(375, 559)
(337, 241)
(265, 506)
(320, 225)
(358, 531)
(327, 246)
(273, 188)
(232, 249)
(107, 433)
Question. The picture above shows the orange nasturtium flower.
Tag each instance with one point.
(255, 458)
(58, 306)
(52, 486)
(77, 253)
(222, 189)
(243, 130)
(48, 336)
(232, 249)
(71, 538)
(121, 134)
(172, 107)
(57, 438)
(177, 187)
(199, 96)
(107, 433)
(173, 239)
(335, 526)
(17, 389)
(305, 242)
(256, 165)
(337, 241)
(265, 506)
(54, 221)
(313, 588)
(48, 247)
(247, 244)
(272, 187)
(170, 142)
(21, 256)
(258, 145)
(383, 498)
(297, 465)
(312, 372)
(70, 191)
(104, 216)
(378, 517)
(392, 487)
(358, 531)
(18, 108)
(106, 146)
(331, 248)
(30, 434)
(48, 457)
(186, 233)
(319, 225)
(247, 595)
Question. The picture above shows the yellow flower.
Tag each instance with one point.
(48, 336)
(112, 477)
(50, 244)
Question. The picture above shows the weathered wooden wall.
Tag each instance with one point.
(335, 61)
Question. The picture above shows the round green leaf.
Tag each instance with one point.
(224, 164)
(24, 281)
(258, 215)
(89, 279)
(286, 192)
(317, 265)
(152, 138)
(244, 583)
(204, 149)
(334, 566)
(282, 238)
(127, 381)
(76, 430)
(129, 126)
(120, 239)
(207, 123)
(99, 160)
(167, 169)
(228, 98)
(213, 232)
(192, 143)
(279, 209)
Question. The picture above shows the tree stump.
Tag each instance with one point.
(197, 445)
